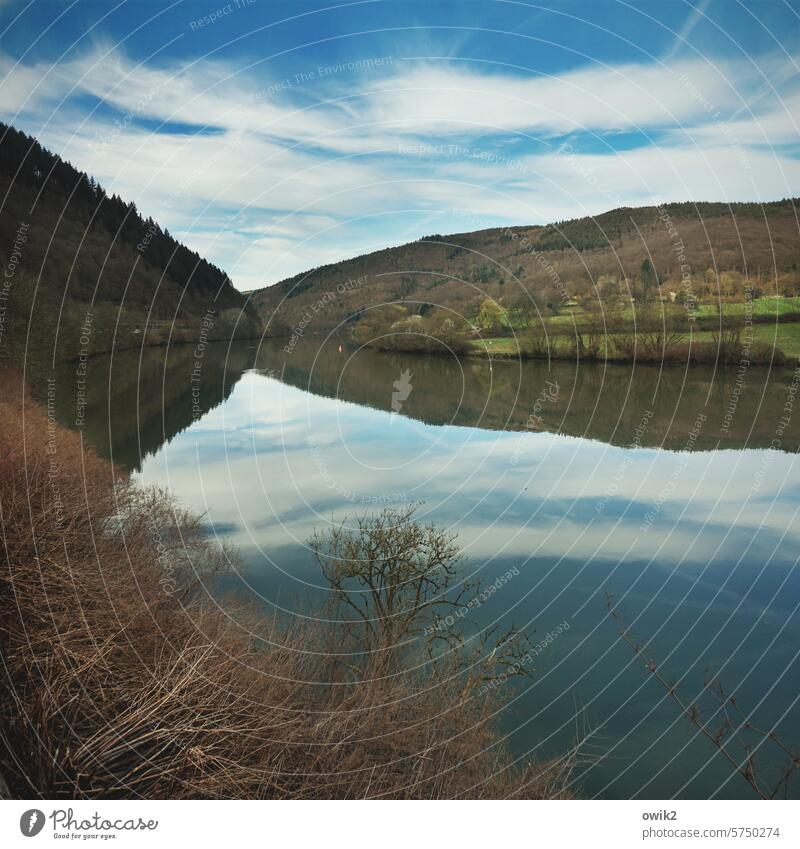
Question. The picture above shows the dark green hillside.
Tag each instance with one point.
(69, 250)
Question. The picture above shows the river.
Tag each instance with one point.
(676, 491)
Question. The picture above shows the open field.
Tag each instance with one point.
(759, 307)
(785, 336)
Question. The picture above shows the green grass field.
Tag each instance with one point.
(786, 336)
(759, 306)
(496, 346)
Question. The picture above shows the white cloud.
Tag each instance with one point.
(311, 181)
(595, 99)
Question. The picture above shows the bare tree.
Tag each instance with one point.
(395, 581)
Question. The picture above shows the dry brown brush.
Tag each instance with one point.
(125, 675)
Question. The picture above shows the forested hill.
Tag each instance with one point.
(96, 238)
(708, 250)
(77, 259)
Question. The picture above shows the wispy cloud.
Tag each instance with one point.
(693, 18)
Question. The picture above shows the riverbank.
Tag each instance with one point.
(766, 344)
(124, 676)
(758, 332)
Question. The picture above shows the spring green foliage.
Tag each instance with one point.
(491, 316)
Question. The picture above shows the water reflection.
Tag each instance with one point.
(156, 393)
(602, 402)
(134, 402)
(572, 485)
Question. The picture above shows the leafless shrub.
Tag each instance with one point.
(659, 331)
(534, 342)
(727, 338)
(394, 582)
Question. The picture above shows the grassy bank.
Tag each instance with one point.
(765, 331)
(778, 343)
(124, 676)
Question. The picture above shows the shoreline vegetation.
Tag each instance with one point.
(649, 334)
(124, 675)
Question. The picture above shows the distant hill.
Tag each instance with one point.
(714, 249)
(71, 249)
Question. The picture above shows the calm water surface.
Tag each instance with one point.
(676, 491)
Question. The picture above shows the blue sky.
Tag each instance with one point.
(274, 137)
